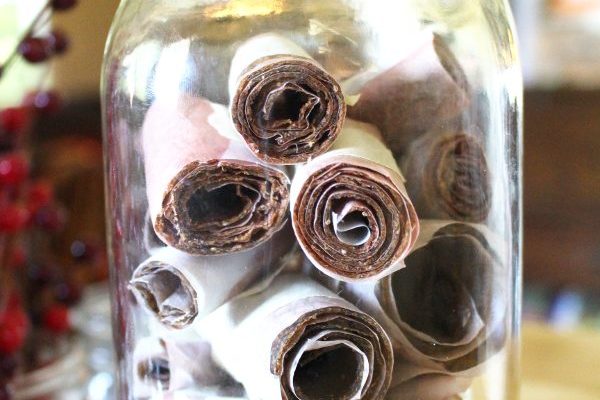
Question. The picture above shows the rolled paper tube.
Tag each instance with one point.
(424, 90)
(350, 210)
(207, 193)
(298, 340)
(448, 176)
(445, 312)
(178, 288)
(284, 104)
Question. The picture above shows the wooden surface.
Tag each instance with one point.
(562, 188)
(560, 365)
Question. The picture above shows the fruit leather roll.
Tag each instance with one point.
(445, 311)
(350, 210)
(177, 288)
(448, 176)
(424, 90)
(284, 104)
(207, 193)
(298, 340)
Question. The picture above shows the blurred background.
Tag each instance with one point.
(560, 43)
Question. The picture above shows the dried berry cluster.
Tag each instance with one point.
(34, 297)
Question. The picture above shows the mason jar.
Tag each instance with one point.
(314, 199)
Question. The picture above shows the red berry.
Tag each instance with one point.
(58, 42)
(50, 218)
(56, 319)
(44, 102)
(40, 195)
(61, 5)
(13, 120)
(13, 169)
(35, 50)
(14, 301)
(13, 218)
(14, 326)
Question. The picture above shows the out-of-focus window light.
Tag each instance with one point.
(558, 41)
(15, 18)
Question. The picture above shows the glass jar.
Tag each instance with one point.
(314, 199)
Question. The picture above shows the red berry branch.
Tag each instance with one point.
(34, 296)
(39, 49)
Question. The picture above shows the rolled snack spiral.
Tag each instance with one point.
(425, 89)
(298, 340)
(448, 303)
(448, 176)
(177, 288)
(284, 104)
(207, 194)
(350, 210)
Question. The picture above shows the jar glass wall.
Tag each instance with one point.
(312, 200)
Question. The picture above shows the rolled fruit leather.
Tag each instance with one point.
(350, 210)
(445, 310)
(286, 107)
(177, 288)
(425, 89)
(207, 194)
(448, 176)
(298, 340)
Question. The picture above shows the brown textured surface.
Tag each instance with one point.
(347, 324)
(288, 109)
(562, 188)
(424, 90)
(262, 194)
(272, 342)
(207, 193)
(447, 177)
(441, 290)
(390, 215)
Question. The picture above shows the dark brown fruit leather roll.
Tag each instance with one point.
(298, 340)
(445, 311)
(425, 89)
(350, 210)
(284, 104)
(177, 288)
(207, 193)
(448, 176)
